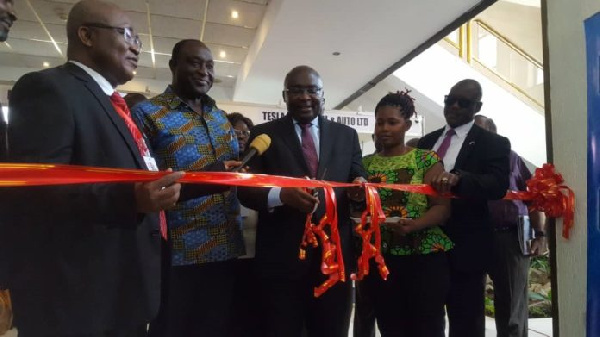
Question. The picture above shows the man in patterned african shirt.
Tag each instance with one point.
(186, 131)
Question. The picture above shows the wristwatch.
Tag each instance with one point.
(539, 234)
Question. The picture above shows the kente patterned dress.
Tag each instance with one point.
(409, 168)
(205, 229)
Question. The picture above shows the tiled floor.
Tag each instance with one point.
(538, 327)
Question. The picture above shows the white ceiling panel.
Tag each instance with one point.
(28, 30)
(175, 28)
(58, 32)
(50, 11)
(139, 21)
(145, 72)
(164, 45)
(226, 69)
(232, 54)
(145, 60)
(8, 59)
(131, 5)
(163, 74)
(249, 15)
(231, 35)
(38, 61)
(259, 2)
(33, 48)
(188, 9)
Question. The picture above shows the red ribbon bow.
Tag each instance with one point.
(368, 229)
(548, 195)
(332, 261)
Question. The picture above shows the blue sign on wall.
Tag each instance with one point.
(592, 31)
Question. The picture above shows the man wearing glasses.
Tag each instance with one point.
(84, 259)
(477, 169)
(303, 144)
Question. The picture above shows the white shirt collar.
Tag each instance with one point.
(461, 130)
(314, 122)
(106, 87)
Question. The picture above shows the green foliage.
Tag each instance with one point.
(540, 294)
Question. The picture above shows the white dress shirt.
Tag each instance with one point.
(106, 87)
(456, 143)
(273, 198)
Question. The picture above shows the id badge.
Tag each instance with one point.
(150, 163)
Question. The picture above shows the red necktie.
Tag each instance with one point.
(441, 151)
(121, 107)
(309, 149)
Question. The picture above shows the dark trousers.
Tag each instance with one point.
(247, 309)
(196, 301)
(291, 308)
(466, 303)
(509, 272)
(411, 302)
(139, 331)
(364, 312)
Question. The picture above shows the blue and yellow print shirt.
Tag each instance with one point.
(205, 229)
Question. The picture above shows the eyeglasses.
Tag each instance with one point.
(127, 32)
(242, 133)
(314, 92)
(462, 102)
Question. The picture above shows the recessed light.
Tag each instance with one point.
(46, 64)
(135, 72)
(235, 14)
(336, 53)
(222, 54)
(230, 76)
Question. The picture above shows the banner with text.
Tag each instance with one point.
(362, 122)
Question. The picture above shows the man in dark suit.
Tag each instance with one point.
(84, 259)
(7, 18)
(303, 144)
(477, 165)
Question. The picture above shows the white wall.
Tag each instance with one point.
(568, 91)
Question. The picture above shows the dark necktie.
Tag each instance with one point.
(121, 107)
(309, 150)
(445, 143)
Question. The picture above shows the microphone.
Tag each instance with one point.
(258, 146)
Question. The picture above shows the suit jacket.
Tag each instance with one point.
(483, 166)
(279, 231)
(82, 260)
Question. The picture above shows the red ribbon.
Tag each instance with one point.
(332, 261)
(547, 194)
(545, 191)
(366, 229)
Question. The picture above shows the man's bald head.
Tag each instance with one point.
(88, 11)
(301, 70)
(101, 37)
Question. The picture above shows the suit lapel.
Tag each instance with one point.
(429, 142)
(467, 146)
(104, 101)
(325, 146)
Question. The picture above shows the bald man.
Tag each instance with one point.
(477, 165)
(85, 259)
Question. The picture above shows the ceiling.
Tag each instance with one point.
(267, 39)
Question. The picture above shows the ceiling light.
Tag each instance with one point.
(230, 76)
(234, 14)
(46, 64)
(222, 54)
(135, 72)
